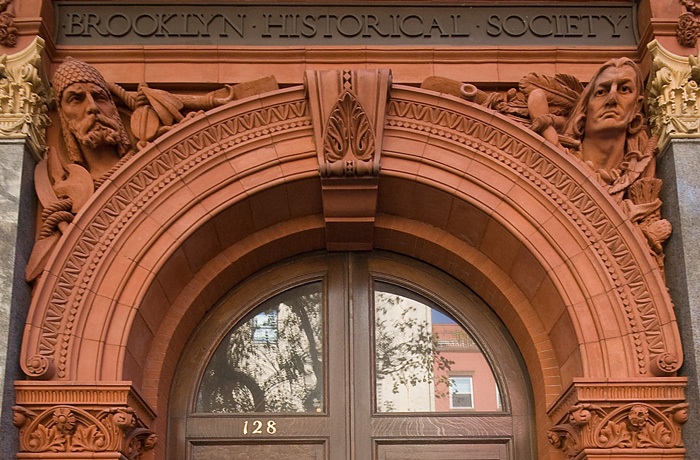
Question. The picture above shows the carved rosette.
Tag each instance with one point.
(24, 97)
(673, 95)
(348, 109)
(605, 417)
(78, 420)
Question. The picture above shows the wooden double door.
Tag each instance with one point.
(350, 356)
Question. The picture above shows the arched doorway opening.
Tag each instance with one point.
(359, 355)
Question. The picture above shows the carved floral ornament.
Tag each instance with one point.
(68, 429)
(631, 426)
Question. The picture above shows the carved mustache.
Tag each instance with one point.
(93, 120)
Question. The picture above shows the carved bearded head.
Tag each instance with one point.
(89, 117)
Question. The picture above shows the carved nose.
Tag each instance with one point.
(92, 106)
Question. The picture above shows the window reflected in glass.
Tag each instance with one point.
(425, 361)
(271, 361)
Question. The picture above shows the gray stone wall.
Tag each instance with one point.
(17, 223)
(679, 168)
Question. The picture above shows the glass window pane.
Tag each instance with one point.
(272, 360)
(425, 361)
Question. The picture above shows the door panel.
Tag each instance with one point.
(273, 451)
(348, 423)
(443, 451)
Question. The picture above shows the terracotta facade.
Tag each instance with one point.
(242, 157)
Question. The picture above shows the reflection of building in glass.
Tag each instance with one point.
(426, 362)
(265, 327)
(273, 362)
(473, 385)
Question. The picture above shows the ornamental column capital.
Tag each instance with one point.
(673, 95)
(75, 421)
(640, 418)
(24, 97)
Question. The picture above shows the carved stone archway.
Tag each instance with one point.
(460, 187)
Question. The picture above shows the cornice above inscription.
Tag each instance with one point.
(99, 23)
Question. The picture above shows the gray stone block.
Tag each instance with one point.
(17, 230)
(679, 168)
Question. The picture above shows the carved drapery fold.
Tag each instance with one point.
(348, 108)
(639, 418)
(72, 421)
(24, 96)
(673, 95)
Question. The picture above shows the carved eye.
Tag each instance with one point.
(75, 97)
(100, 96)
(626, 89)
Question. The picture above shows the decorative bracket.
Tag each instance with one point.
(347, 109)
(24, 97)
(673, 95)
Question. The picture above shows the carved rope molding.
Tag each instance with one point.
(24, 97)
(607, 241)
(673, 95)
(77, 273)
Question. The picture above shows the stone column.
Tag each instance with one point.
(23, 120)
(674, 109)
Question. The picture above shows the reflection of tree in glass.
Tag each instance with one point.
(407, 351)
(274, 371)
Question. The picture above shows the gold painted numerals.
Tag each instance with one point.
(259, 427)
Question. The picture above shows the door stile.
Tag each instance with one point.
(359, 299)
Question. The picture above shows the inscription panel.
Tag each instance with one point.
(126, 23)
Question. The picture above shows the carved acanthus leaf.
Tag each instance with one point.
(673, 106)
(66, 428)
(631, 426)
(349, 140)
(24, 96)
